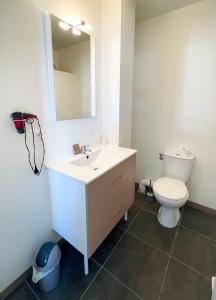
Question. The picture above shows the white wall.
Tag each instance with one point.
(175, 93)
(118, 19)
(126, 72)
(25, 216)
(111, 34)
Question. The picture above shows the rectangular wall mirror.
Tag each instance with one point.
(71, 61)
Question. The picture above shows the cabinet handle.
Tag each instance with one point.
(117, 179)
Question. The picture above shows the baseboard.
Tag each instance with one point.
(14, 285)
(202, 208)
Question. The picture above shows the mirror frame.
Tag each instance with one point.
(50, 71)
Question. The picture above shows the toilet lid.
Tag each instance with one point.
(171, 189)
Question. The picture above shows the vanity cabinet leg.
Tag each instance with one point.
(86, 267)
(126, 216)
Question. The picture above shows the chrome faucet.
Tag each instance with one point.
(85, 149)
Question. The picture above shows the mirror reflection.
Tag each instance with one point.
(72, 70)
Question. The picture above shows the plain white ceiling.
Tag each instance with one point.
(146, 9)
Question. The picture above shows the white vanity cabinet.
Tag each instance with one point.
(85, 213)
(107, 199)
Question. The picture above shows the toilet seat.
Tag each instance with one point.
(171, 190)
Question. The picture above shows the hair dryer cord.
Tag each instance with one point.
(34, 167)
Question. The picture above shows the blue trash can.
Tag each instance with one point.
(46, 266)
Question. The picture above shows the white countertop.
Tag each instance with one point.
(101, 160)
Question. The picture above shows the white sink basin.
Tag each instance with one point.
(88, 160)
(87, 167)
(97, 159)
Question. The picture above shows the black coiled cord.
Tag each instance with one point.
(34, 167)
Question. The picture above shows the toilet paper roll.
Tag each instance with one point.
(185, 151)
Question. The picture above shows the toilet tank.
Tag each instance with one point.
(178, 163)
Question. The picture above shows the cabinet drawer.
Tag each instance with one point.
(108, 198)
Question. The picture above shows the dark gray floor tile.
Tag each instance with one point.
(23, 292)
(195, 251)
(107, 287)
(199, 221)
(139, 266)
(131, 215)
(147, 228)
(73, 280)
(107, 246)
(144, 196)
(146, 203)
(182, 283)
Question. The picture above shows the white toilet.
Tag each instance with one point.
(170, 191)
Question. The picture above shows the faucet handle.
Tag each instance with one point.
(87, 148)
(84, 148)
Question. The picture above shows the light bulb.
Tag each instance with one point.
(75, 21)
(76, 31)
(87, 26)
(64, 25)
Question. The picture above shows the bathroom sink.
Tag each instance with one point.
(97, 159)
(87, 160)
(87, 167)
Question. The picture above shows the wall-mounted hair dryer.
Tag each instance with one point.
(19, 119)
(22, 121)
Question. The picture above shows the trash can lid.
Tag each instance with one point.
(48, 255)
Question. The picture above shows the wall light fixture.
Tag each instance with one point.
(76, 25)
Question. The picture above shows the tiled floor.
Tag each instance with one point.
(140, 259)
